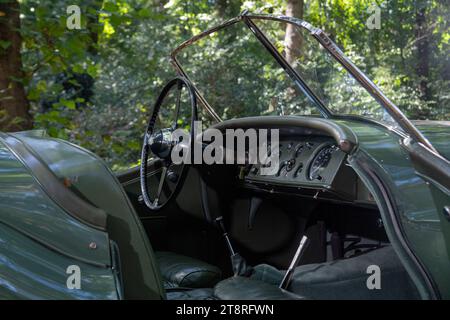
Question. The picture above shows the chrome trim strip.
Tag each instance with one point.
(149, 174)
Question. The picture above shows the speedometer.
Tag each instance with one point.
(320, 162)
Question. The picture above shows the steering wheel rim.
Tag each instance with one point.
(149, 137)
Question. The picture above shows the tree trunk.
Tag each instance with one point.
(14, 105)
(93, 24)
(293, 39)
(422, 54)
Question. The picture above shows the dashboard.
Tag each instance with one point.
(307, 162)
(313, 154)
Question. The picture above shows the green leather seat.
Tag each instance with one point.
(186, 278)
(339, 279)
(190, 294)
(240, 288)
(346, 278)
(179, 271)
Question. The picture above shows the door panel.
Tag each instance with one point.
(436, 171)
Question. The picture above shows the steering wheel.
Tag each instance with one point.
(157, 192)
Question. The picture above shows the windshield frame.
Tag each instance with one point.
(402, 121)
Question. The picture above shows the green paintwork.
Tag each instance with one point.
(30, 222)
(39, 240)
(94, 182)
(417, 211)
(29, 270)
(438, 133)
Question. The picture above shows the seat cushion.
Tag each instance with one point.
(240, 288)
(194, 294)
(347, 278)
(267, 274)
(182, 271)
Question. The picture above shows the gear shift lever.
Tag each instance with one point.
(239, 265)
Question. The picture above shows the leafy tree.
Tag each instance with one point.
(96, 86)
(14, 106)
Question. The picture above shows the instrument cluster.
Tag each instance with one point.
(309, 161)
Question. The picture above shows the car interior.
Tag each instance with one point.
(231, 233)
(312, 230)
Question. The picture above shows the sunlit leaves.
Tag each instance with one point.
(124, 46)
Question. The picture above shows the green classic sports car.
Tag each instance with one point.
(346, 198)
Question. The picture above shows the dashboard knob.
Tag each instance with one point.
(290, 164)
(172, 176)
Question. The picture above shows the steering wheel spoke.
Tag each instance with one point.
(160, 185)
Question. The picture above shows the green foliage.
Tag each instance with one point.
(96, 86)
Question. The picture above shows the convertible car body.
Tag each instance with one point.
(364, 190)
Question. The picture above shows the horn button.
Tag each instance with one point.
(161, 143)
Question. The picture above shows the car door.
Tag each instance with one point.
(435, 169)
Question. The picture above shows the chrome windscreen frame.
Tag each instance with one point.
(402, 121)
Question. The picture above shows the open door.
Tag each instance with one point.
(435, 169)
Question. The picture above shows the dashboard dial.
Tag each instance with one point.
(320, 162)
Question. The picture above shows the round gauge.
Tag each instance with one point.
(320, 162)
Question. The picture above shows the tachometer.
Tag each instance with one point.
(320, 162)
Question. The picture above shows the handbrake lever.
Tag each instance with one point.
(304, 242)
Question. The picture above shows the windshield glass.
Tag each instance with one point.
(239, 77)
(336, 87)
